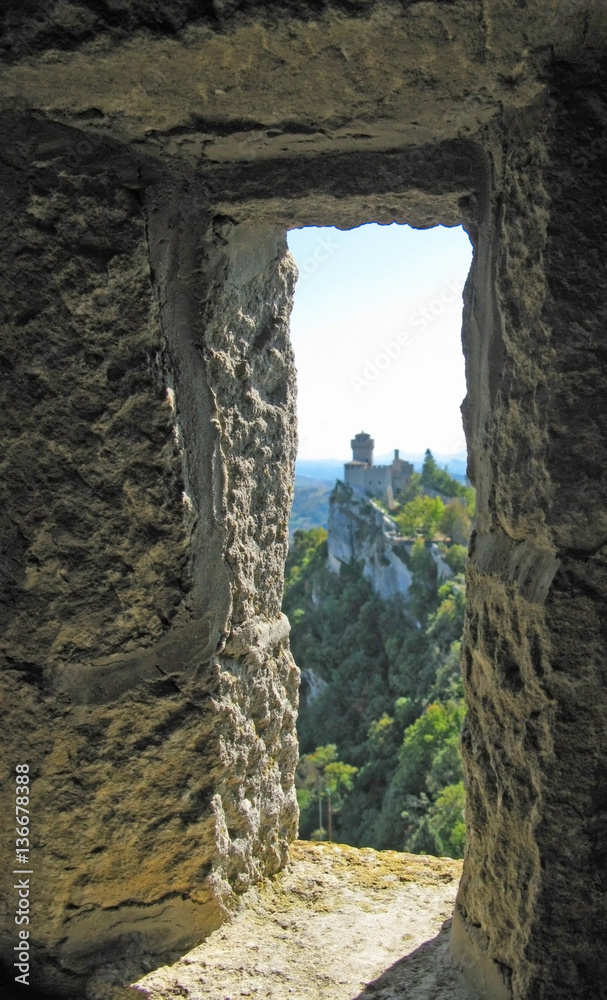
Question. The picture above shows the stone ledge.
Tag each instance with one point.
(337, 922)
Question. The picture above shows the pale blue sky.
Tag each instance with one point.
(376, 332)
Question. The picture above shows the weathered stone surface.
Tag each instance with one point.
(337, 922)
(534, 657)
(147, 678)
(153, 157)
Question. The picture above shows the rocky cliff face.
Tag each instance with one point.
(359, 531)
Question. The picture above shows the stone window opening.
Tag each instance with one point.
(419, 265)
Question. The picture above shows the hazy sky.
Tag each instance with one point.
(376, 332)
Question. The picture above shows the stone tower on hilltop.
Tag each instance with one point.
(362, 448)
(383, 481)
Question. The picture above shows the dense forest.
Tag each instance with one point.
(382, 701)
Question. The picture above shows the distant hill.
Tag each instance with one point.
(330, 469)
(457, 468)
(305, 482)
(325, 469)
(310, 504)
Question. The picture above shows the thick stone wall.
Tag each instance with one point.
(534, 654)
(153, 159)
(147, 681)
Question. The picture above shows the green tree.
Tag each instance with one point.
(446, 822)
(456, 521)
(439, 480)
(446, 624)
(429, 762)
(330, 778)
(303, 548)
(423, 598)
(429, 469)
(456, 557)
(413, 488)
(425, 740)
(423, 515)
(447, 684)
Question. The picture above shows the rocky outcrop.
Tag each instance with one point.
(443, 570)
(153, 157)
(312, 685)
(359, 531)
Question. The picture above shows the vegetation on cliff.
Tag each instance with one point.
(380, 758)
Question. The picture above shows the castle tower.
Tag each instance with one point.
(362, 448)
